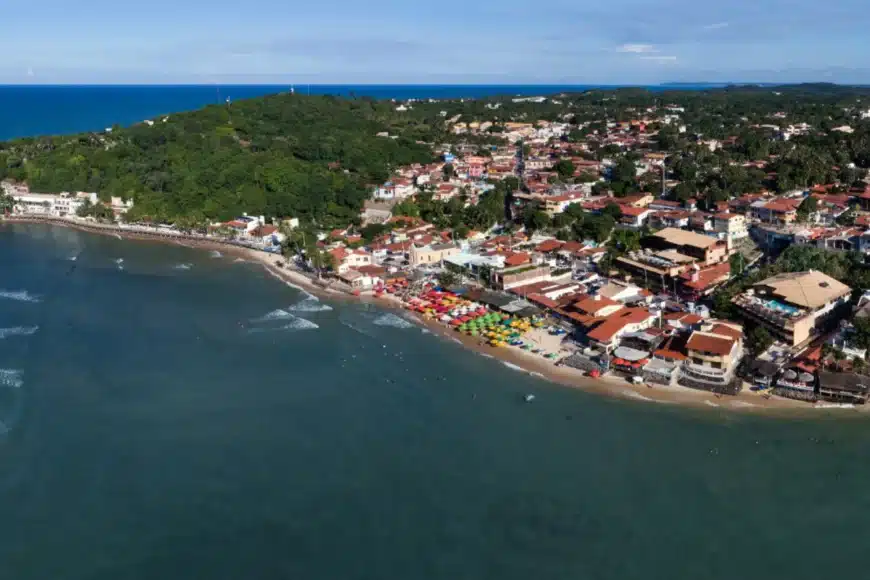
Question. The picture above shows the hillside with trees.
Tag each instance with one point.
(315, 158)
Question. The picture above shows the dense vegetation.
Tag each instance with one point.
(283, 155)
(317, 157)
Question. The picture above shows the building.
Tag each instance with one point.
(519, 276)
(732, 226)
(346, 260)
(431, 254)
(713, 354)
(48, 204)
(605, 333)
(776, 211)
(795, 306)
(671, 252)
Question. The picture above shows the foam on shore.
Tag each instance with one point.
(310, 304)
(390, 319)
(215, 254)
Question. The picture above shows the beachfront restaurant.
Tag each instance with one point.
(843, 387)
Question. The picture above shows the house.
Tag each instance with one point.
(597, 306)
(556, 204)
(431, 254)
(697, 282)
(508, 278)
(266, 235)
(713, 354)
(606, 333)
(731, 226)
(795, 306)
(634, 217)
(345, 259)
(669, 219)
(777, 211)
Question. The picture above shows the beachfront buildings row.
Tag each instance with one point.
(55, 204)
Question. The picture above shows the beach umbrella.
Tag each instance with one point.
(806, 377)
(790, 375)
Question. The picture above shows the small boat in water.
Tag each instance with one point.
(529, 398)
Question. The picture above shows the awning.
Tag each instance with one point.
(630, 354)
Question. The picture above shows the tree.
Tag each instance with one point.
(759, 340)
(536, 220)
(6, 203)
(738, 263)
(565, 169)
(448, 170)
(807, 207)
(406, 208)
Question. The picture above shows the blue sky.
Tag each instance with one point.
(393, 41)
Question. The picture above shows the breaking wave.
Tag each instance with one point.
(513, 366)
(742, 404)
(215, 254)
(834, 406)
(392, 320)
(295, 324)
(11, 378)
(277, 314)
(310, 304)
(710, 404)
(21, 296)
(18, 331)
(185, 266)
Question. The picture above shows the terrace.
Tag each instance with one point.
(778, 313)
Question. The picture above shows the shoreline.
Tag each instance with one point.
(610, 386)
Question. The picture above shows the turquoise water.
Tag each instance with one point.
(178, 415)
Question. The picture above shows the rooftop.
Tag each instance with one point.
(685, 238)
(810, 289)
(713, 343)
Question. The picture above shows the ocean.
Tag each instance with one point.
(27, 111)
(172, 413)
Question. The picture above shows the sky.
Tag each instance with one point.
(408, 42)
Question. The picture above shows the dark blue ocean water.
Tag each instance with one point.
(169, 414)
(43, 110)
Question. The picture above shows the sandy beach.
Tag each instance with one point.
(747, 401)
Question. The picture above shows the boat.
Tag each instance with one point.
(529, 398)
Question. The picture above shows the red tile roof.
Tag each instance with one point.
(517, 259)
(591, 305)
(718, 345)
(549, 246)
(614, 323)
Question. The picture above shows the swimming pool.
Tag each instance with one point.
(784, 308)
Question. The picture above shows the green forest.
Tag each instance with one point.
(284, 155)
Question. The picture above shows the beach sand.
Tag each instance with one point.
(747, 401)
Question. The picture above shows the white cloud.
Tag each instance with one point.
(715, 26)
(636, 48)
(662, 59)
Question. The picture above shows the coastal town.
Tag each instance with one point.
(590, 247)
